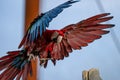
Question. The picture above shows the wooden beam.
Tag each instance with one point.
(31, 11)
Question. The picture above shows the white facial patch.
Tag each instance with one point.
(59, 39)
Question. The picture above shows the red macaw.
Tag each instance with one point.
(51, 44)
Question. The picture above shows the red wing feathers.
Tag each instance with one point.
(67, 47)
(80, 34)
(94, 20)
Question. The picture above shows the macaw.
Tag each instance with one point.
(40, 42)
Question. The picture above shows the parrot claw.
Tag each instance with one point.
(44, 60)
(31, 56)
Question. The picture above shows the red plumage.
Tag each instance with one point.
(74, 36)
(52, 45)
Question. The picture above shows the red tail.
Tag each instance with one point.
(14, 65)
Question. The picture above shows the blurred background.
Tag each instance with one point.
(103, 54)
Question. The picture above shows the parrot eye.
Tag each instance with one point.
(54, 39)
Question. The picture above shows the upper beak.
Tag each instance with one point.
(59, 39)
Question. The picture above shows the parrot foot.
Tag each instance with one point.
(31, 56)
(43, 61)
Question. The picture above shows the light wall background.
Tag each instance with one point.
(101, 54)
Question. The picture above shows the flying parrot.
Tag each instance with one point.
(40, 42)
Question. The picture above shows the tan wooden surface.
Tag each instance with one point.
(92, 74)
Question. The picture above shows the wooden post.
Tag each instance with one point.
(92, 74)
(31, 11)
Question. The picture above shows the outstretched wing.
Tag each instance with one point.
(80, 34)
(38, 26)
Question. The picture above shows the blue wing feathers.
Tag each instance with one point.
(40, 29)
(23, 64)
(15, 61)
(44, 26)
(30, 36)
(41, 22)
(46, 23)
(36, 32)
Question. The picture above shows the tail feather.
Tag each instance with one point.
(5, 64)
(19, 75)
(16, 71)
(26, 71)
(11, 74)
(4, 73)
(14, 65)
(10, 55)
